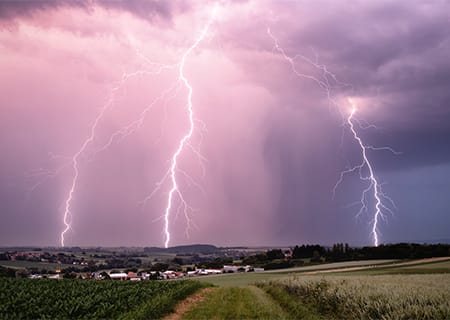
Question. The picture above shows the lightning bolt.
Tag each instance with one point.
(137, 124)
(373, 186)
(123, 132)
(329, 82)
(76, 169)
(174, 190)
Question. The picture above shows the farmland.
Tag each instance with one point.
(417, 289)
(372, 267)
(74, 299)
(387, 288)
(365, 297)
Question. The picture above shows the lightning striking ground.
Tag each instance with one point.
(131, 128)
(75, 163)
(373, 181)
(185, 139)
(374, 185)
(127, 130)
(329, 82)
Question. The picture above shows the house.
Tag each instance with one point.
(168, 274)
(145, 276)
(118, 276)
(213, 271)
(232, 269)
(133, 276)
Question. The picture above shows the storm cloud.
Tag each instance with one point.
(272, 144)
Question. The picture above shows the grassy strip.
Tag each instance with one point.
(290, 303)
(237, 303)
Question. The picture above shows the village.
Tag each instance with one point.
(152, 275)
(131, 265)
(141, 264)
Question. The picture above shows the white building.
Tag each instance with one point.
(118, 276)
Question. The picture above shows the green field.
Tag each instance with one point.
(431, 267)
(39, 265)
(414, 268)
(334, 265)
(90, 299)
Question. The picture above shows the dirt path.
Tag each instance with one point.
(187, 304)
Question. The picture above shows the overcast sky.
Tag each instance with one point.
(268, 145)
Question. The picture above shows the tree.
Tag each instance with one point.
(316, 256)
(307, 251)
(159, 266)
(4, 256)
(275, 254)
(178, 261)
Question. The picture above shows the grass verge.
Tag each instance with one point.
(237, 303)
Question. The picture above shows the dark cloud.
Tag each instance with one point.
(148, 10)
(395, 55)
(10, 9)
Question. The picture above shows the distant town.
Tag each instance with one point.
(151, 263)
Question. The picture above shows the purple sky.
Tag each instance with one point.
(272, 144)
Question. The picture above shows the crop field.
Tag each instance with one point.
(377, 289)
(427, 266)
(417, 289)
(90, 299)
(30, 264)
(364, 297)
(243, 279)
(334, 265)
(435, 267)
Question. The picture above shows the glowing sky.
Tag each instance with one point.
(273, 146)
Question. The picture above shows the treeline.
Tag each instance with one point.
(342, 252)
(314, 254)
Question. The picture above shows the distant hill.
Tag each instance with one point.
(193, 248)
